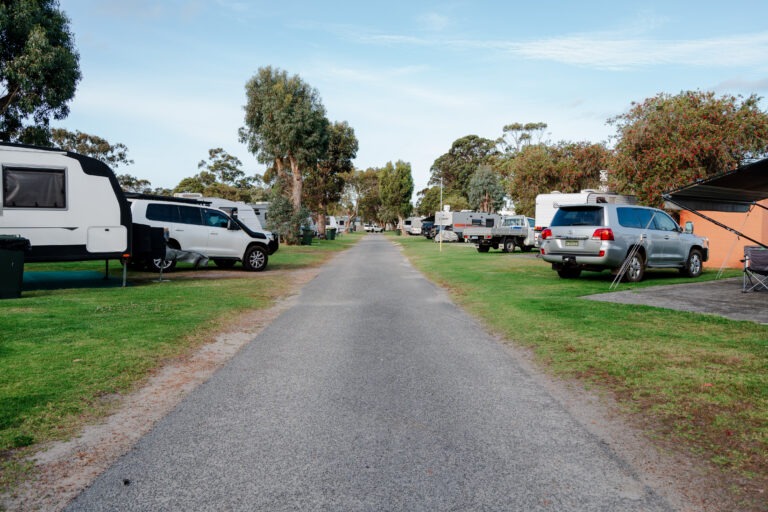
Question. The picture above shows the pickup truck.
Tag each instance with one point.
(515, 231)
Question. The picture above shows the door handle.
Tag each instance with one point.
(178, 230)
(214, 233)
(667, 237)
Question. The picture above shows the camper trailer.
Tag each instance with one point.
(69, 206)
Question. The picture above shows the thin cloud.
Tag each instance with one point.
(606, 52)
(434, 21)
(743, 85)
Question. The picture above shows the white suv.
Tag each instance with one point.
(194, 226)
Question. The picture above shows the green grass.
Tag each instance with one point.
(65, 353)
(700, 381)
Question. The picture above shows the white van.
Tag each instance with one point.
(194, 225)
(69, 206)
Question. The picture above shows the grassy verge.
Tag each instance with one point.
(66, 353)
(700, 380)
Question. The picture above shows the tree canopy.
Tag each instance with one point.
(114, 155)
(565, 167)
(395, 189)
(457, 165)
(668, 141)
(39, 69)
(222, 177)
(285, 121)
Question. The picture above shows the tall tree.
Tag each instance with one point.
(396, 188)
(521, 135)
(39, 69)
(114, 155)
(485, 191)
(457, 165)
(325, 183)
(369, 202)
(225, 167)
(131, 183)
(668, 141)
(285, 122)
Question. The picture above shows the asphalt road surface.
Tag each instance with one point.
(374, 392)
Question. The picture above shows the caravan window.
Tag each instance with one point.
(34, 188)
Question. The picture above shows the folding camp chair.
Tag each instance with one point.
(755, 268)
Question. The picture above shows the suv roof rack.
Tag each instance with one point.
(153, 197)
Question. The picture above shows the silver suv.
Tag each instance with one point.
(602, 236)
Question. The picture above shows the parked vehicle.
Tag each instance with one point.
(69, 206)
(376, 228)
(514, 231)
(243, 211)
(547, 205)
(604, 236)
(457, 221)
(193, 225)
(412, 225)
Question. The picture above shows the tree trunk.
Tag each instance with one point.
(400, 224)
(298, 182)
(321, 220)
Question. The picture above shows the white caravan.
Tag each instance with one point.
(547, 204)
(412, 225)
(69, 206)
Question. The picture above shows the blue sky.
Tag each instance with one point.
(167, 78)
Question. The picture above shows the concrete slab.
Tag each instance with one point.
(723, 297)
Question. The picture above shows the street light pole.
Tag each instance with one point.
(441, 214)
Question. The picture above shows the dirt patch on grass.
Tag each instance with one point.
(63, 469)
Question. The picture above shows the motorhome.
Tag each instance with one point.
(547, 204)
(69, 206)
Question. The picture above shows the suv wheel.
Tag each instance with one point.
(636, 269)
(255, 258)
(693, 265)
(509, 246)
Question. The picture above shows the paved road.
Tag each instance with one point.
(374, 392)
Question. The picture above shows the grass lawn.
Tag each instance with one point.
(700, 380)
(65, 353)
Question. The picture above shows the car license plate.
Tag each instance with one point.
(571, 243)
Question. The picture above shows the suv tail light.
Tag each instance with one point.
(546, 234)
(603, 234)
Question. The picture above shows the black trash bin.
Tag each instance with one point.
(330, 233)
(306, 236)
(12, 250)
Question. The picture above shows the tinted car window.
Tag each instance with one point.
(664, 222)
(579, 216)
(645, 217)
(190, 215)
(163, 212)
(216, 219)
(628, 217)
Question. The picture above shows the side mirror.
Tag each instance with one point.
(689, 227)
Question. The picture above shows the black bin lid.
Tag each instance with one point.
(13, 243)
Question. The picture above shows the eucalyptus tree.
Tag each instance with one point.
(114, 155)
(325, 183)
(486, 194)
(285, 122)
(396, 188)
(39, 69)
(455, 168)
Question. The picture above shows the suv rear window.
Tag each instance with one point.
(163, 212)
(578, 216)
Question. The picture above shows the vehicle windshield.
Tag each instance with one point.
(578, 216)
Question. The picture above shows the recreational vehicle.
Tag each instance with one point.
(69, 206)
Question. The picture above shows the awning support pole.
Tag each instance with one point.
(106, 270)
(713, 221)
